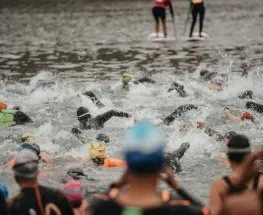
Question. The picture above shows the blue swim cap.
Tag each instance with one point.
(3, 190)
(35, 148)
(144, 148)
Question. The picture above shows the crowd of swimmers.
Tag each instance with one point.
(145, 164)
(137, 191)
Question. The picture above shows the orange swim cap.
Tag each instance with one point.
(2, 105)
(247, 115)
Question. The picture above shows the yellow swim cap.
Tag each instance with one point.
(28, 137)
(126, 78)
(97, 150)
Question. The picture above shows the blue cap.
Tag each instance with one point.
(3, 190)
(144, 147)
(35, 148)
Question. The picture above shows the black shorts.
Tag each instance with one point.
(159, 12)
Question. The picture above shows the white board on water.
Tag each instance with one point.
(195, 37)
(160, 37)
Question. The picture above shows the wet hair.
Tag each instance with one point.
(103, 137)
(238, 142)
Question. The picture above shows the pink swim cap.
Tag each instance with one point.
(74, 191)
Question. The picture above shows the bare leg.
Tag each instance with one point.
(157, 27)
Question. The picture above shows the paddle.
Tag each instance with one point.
(188, 16)
(174, 28)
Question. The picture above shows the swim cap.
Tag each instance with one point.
(126, 78)
(103, 138)
(247, 115)
(97, 150)
(33, 147)
(28, 137)
(74, 191)
(26, 164)
(143, 148)
(204, 72)
(83, 113)
(3, 105)
(3, 190)
(229, 135)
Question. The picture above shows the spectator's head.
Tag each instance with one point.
(26, 166)
(74, 192)
(144, 149)
(238, 148)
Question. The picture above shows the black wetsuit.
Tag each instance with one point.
(172, 159)
(197, 9)
(94, 98)
(98, 121)
(125, 86)
(246, 95)
(207, 76)
(27, 202)
(179, 88)
(177, 113)
(21, 118)
(255, 106)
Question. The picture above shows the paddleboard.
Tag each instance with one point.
(160, 37)
(195, 37)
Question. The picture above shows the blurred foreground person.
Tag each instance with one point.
(3, 198)
(137, 190)
(34, 198)
(74, 192)
(238, 148)
(247, 203)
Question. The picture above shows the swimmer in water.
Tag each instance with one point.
(179, 112)
(127, 79)
(12, 117)
(209, 131)
(159, 12)
(179, 88)
(245, 116)
(87, 122)
(97, 154)
(28, 142)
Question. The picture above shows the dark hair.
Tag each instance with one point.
(238, 142)
(76, 204)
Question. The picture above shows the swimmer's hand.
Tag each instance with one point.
(168, 176)
(226, 110)
(76, 131)
(201, 125)
(199, 105)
